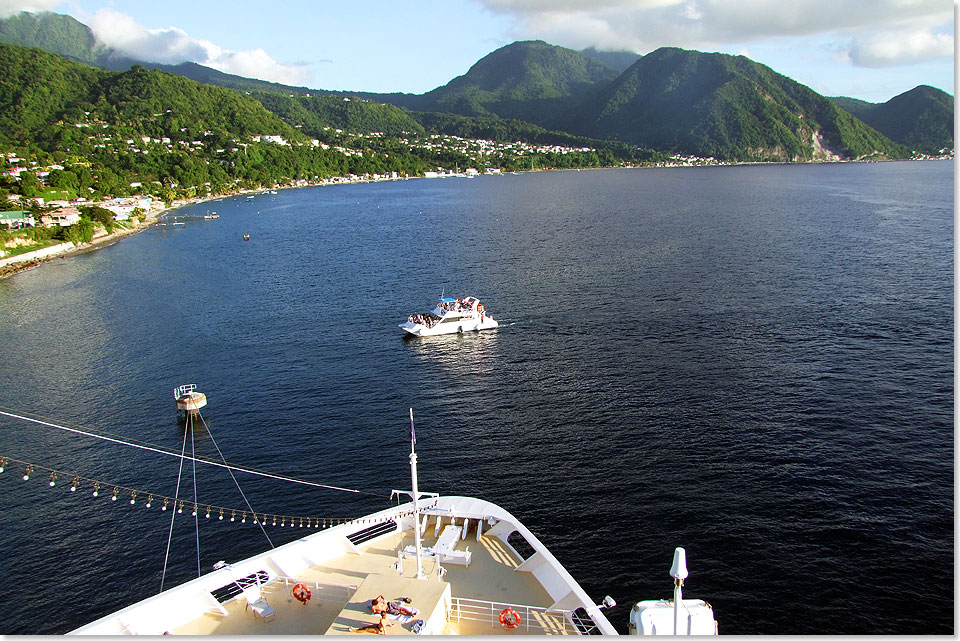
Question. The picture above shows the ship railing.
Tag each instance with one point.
(327, 592)
(183, 389)
(533, 619)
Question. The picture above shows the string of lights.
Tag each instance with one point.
(146, 498)
(157, 449)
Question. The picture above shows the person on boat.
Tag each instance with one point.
(382, 606)
(380, 627)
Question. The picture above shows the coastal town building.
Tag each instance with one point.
(17, 219)
(61, 218)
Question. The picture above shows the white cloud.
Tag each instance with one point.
(257, 63)
(910, 27)
(173, 46)
(889, 48)
(10, 7)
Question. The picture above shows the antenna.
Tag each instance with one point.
(416, 499)
(679, 572)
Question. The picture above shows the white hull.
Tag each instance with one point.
(467, 324)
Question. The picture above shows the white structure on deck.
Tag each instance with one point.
(678, 617)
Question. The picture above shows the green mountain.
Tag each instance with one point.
(619, 60)
(672, 100)
(209, 76)
(855, 106)
(532, 81)
(40, 92)
(62, 34)
(921, 119)
(728, 107)
(55, 33)
(314, 115)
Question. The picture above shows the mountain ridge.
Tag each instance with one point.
(733, 108)
(921, 118)
(724, 106)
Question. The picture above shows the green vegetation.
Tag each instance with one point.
(531, 81)
(95, 133)
(103, 134)
(728, 107)
(316, 115)
(921, 119)
(52, 32)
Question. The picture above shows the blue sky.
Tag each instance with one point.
(868, 49)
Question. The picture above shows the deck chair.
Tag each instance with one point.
(257, 603)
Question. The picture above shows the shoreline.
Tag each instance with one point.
(26, 261)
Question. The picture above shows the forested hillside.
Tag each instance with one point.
(105, 133)
(727, 107)
(532, 81)
(920, 119)
(676, 101)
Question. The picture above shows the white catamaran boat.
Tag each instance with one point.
(450, 316)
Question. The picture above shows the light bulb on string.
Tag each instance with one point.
(149, 500)
(53, 479)
(180, 508)
(114, 497)
(3, 464)
(221, 515)
(26, 473)
(96, 489)
(193, 512)
(75, 484)
(165, 503)
(133, 497)
(207, 516)
(243, 519)
(233, 515)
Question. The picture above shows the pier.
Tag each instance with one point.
(174, 220)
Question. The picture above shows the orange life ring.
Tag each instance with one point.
(301, 593)
(509, 618)
(480, 308)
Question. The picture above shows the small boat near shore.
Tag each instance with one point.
(450, 316)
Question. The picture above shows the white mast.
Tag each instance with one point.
(416, 497)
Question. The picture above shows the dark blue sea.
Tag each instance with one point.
(755, 363)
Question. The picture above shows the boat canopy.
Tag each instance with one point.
(446, 300)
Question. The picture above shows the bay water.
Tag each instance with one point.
(754, 363)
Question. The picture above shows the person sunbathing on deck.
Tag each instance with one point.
(382, 606)
(380, 627)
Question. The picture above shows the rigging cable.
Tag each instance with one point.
(159, 450)
(173, 513)
(235, 482)
(196, 519)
